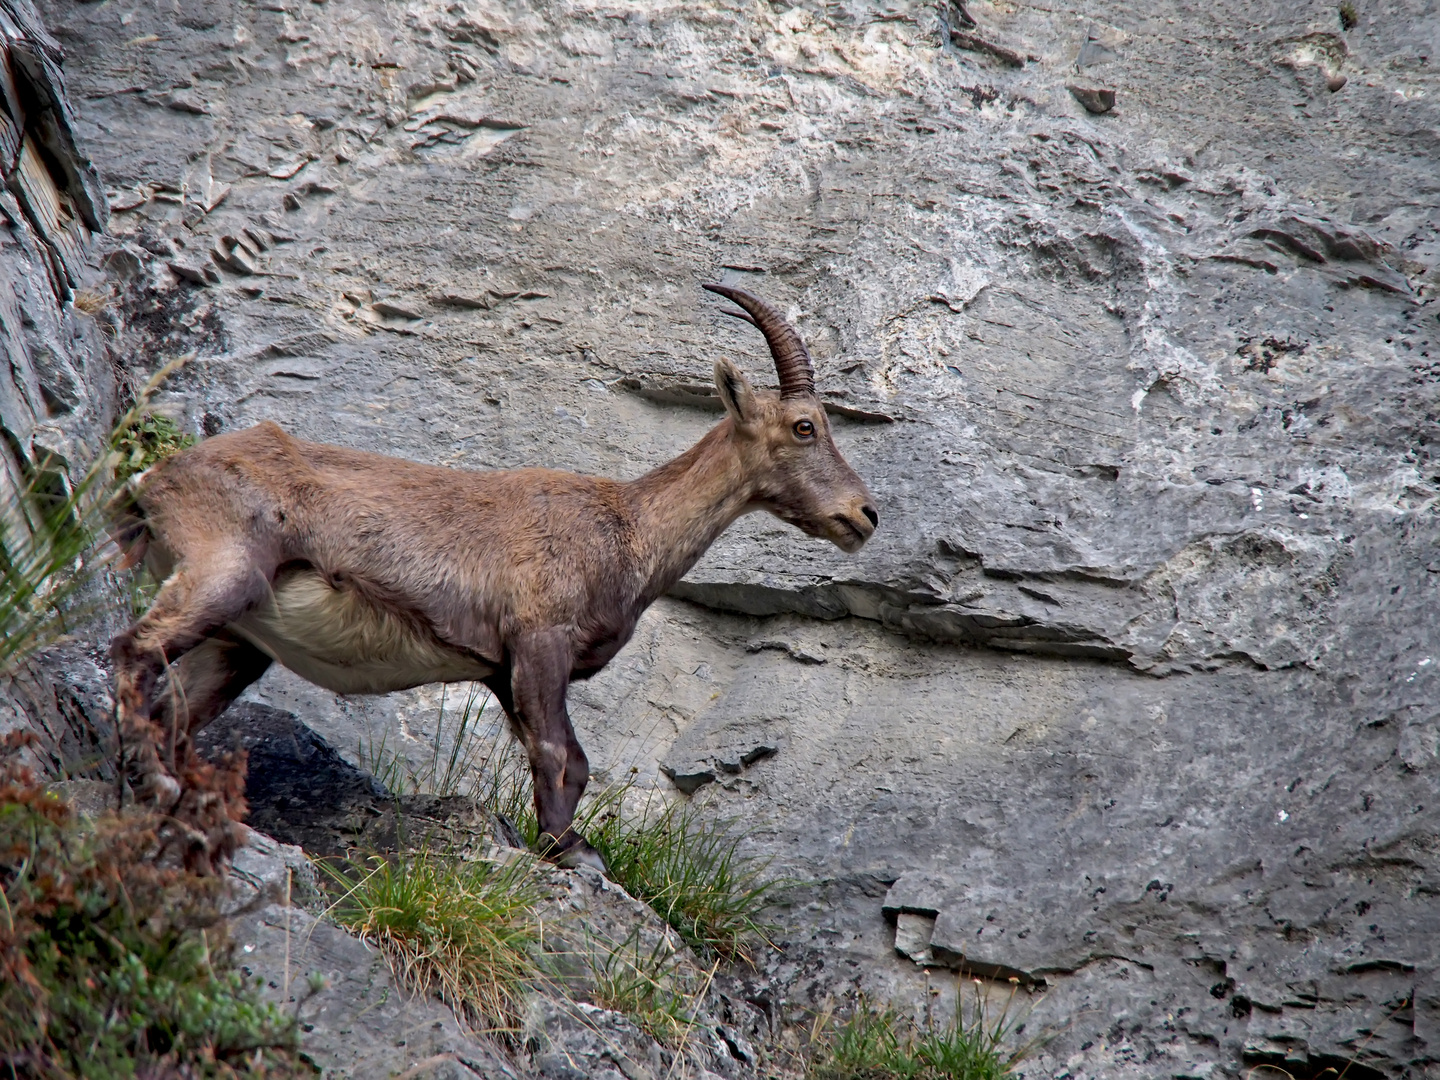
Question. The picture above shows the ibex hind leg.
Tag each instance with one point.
(197, 600)
(202, 684)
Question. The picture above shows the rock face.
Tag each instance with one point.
(58, 388)
(1133, 693)
(357, 1022)
(58, 392)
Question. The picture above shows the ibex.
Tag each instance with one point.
(367, 574)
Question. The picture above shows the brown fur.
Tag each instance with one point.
(368, 573)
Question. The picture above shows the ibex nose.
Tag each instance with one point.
(858, 523)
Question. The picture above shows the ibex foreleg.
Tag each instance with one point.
(539, 678)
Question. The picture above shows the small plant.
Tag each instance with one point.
(463, 930)
(111, 966)
(880, 1044)
(651, 986)
(147, 439)
(1349, 15)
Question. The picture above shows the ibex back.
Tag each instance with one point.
(367, 574)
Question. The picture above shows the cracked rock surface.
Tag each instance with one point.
(1133, 693)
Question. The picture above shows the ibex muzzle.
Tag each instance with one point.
(367, 574)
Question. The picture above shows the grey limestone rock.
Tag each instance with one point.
(1142, 660)
(266, 872)
(355, 1021)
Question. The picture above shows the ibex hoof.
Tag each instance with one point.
(578, 854)
(163, 791)
(582, 854)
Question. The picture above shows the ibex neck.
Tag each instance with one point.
(684, 505)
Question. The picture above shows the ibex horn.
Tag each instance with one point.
(792, 360)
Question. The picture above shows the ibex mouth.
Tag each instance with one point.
(851, 535)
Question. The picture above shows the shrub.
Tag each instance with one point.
(111, 965)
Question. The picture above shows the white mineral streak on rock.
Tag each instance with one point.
(1155, 355)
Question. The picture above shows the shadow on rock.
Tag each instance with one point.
(302, 791)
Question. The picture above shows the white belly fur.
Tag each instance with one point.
(338, 640)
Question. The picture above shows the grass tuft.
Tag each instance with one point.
(456, 757)
(92, 301)
(1349, 15)
(47, 541)
(111, 966)
(50, 530)
(880, 1044)
(687, 868)
(465, 931)
(146, 440)
(503, 786)
(653, 986)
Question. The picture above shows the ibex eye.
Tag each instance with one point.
(804, 429)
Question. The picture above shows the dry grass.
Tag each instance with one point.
(92, 301)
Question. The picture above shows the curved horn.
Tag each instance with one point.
(792, 360)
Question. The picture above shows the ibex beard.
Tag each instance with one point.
(367, 574)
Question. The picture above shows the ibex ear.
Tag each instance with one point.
(735, 391)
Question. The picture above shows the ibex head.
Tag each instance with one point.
(784, 438)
